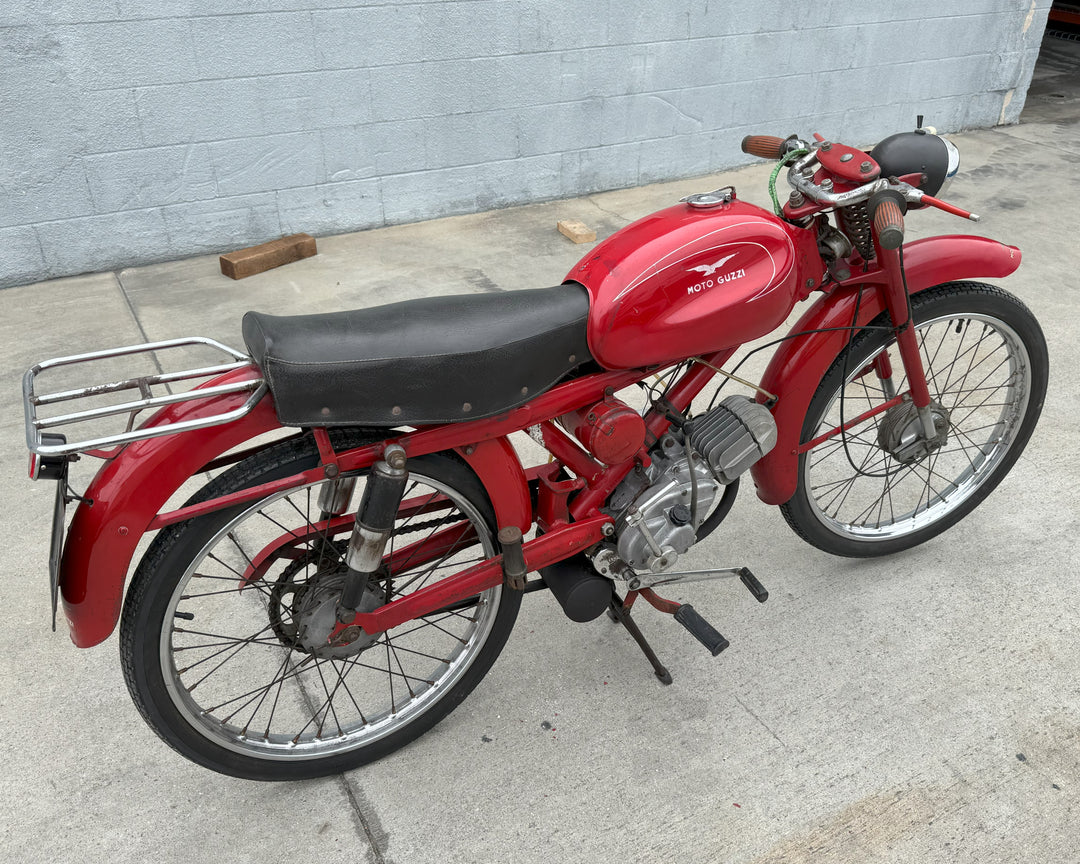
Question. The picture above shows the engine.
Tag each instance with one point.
(656, 515)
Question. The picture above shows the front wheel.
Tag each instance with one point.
(235, 672)
(877, 489)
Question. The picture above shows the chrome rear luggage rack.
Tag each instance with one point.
(144, 384)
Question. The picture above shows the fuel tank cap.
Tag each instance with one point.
(723, 195)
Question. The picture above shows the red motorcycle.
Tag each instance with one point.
(333, 593)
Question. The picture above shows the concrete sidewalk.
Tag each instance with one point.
(919, 708)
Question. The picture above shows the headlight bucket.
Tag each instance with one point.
(918, 152)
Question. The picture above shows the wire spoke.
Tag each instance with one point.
(850, 484)
(262, 699)
(273, 643)
(421, 653)
(427, 623)
(342, 675)
(236, 647)
(290, 674)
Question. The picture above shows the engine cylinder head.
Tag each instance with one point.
(733, 436)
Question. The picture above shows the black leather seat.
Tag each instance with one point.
(436, 360)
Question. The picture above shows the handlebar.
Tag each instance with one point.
(805, 184)
(763, 146)
(887, 208)
(801, 178)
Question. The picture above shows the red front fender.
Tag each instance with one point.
(799, 364)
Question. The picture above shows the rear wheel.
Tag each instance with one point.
(875, 489)
(243, 681)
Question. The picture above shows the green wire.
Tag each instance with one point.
(790, 157)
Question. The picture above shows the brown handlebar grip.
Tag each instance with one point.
(765, 146)
(889, 224)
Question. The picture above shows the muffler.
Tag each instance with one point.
(582, 593)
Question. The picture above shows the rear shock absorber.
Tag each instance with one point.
(374, 522)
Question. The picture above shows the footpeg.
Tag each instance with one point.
(753, 586)
(701, 629)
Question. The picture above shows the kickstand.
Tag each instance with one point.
(621, 614)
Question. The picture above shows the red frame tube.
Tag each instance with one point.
(539, 553)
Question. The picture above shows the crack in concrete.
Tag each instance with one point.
(749, 711)
(369, 825)
(603, 209)
(139, 324)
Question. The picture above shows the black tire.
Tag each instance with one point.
(987, 369)
(241, 681)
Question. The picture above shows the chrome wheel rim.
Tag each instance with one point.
(239, 682)
(979, 371)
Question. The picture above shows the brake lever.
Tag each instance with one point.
(914, 195)
(923, 198)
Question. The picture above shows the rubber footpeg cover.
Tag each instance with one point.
(701, 629)
(753, 585)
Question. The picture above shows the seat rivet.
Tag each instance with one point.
(573, 358)
(325, 412)
(396, 410)
(524, 391)
(467, 407)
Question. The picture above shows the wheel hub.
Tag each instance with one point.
(318, 617)
(303, 613)
(901, 433)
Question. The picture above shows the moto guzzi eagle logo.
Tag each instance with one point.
(707, 270)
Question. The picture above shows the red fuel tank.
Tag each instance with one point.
(687, 281)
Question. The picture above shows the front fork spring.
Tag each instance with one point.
(855, 222)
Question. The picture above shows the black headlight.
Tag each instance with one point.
(918, 153)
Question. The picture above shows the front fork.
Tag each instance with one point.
(899, 307)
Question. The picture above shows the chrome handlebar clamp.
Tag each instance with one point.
(804, 184)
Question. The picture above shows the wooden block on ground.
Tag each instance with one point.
(576, 231)
(256, 259)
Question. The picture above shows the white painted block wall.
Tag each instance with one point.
(133, 132)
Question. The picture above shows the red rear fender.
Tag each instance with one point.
(128, 492)
(799, 364)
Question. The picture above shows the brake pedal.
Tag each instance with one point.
(701, 629)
